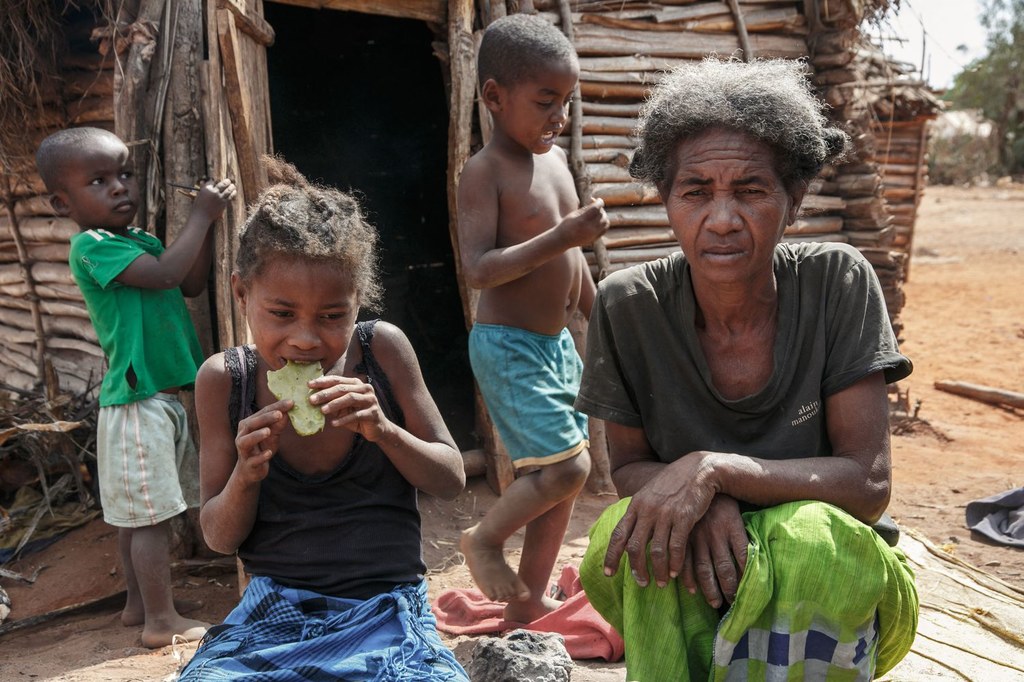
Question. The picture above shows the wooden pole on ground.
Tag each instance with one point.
(985, 394)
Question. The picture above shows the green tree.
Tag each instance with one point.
(995, 83)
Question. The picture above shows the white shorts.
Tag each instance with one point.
(145, 457)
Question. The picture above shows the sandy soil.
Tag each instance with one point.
(964, 321)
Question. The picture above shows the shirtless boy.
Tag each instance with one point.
(520, 233)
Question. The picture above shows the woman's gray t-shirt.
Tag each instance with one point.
(645, 368)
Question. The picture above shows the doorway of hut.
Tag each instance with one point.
(358, 102)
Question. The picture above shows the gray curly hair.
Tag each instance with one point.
(767, 99)
(295, 218)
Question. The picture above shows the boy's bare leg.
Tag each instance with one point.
(150, 559)
(134, 612)
(526, 499)
(544, 536)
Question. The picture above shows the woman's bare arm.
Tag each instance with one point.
(669, 499)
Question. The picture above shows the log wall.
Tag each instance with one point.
(84, 96)
(870, 201)
(624, 51)
(884, 178)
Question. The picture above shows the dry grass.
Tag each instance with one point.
(30, 40)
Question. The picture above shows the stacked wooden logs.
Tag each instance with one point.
(34, 272)
(900, 127)
(902, 157)
(883, 179)
(624, 50)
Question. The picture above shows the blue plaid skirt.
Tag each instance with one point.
(280, 633)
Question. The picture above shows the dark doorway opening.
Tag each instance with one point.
(358, 102)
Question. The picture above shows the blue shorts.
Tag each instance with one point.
(529, 382)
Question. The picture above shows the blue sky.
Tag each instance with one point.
(941, 26)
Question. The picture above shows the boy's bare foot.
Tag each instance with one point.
(490, 572)
(132, 616)
(161, 634)
(530, 610)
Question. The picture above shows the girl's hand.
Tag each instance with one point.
(661, 515)
(257, 439)
(351, 403)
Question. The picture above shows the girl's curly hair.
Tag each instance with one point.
(295, 218)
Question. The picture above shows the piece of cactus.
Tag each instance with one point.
(290, 382)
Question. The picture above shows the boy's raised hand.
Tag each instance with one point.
(212, 199)
(586, 224)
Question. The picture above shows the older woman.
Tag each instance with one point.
(743, 382)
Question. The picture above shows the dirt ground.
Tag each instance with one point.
(964, 321)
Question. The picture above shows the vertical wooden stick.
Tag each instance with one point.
(579, 167)
(462, 61)
(741, 30)
(600, 475)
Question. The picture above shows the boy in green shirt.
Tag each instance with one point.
(133, 288)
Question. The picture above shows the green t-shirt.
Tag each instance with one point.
(145, 330)
(645, 368)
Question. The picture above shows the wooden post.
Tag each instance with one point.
(236, 88)
(221, 162)
(461, 57)
(584, 188)
(741, 31)
(462, 62)
(253, 25)
(579, 167)
(184, 159)
(600, 476)
(919, 182)
(132, 118)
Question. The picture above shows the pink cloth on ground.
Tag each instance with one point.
(586, 633)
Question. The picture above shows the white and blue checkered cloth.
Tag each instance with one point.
(282, 634)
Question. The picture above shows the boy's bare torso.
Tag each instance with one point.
(534, 193)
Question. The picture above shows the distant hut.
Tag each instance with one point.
(380, 96)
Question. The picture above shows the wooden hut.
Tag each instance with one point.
(380, 95)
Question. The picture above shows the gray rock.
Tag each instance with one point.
(521, 656)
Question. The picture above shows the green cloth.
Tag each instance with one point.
(822, 597)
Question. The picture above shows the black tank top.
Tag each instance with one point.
(354, 532)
